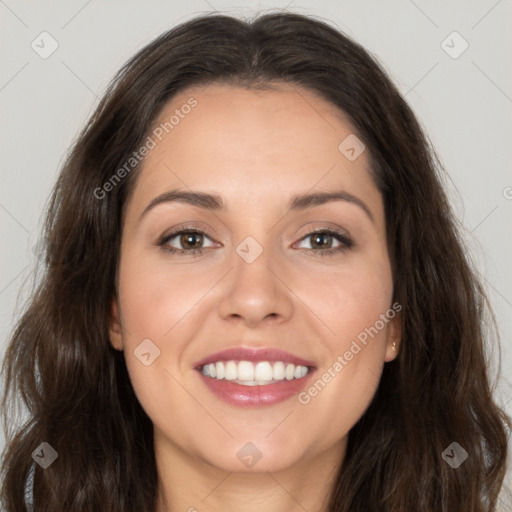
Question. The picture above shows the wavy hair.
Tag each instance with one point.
(61, 367)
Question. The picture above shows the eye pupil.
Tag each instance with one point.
(191, 240)
(319, 237)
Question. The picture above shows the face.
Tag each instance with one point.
(291, 284)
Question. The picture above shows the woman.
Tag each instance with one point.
(188, 349)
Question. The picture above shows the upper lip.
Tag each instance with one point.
(254, 355)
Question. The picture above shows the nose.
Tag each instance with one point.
(256, 292)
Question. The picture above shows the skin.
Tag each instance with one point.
(256, 149)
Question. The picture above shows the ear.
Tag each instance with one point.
(394, 337)
(115, 328)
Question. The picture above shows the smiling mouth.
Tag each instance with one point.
(254, 376)
(252, 384)
(248, 373)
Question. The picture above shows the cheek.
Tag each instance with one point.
(350, 299)
(350, 303)
(154, 299)
(156, 305)
(162, 305)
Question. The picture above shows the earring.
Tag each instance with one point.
(394, 346)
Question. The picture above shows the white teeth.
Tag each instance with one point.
(245, 370)
(230, 371)
(219, 368)
(263, 371)
(278, 371)
(254, 374)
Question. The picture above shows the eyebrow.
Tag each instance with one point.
(215, 202)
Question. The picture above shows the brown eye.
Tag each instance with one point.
(185, 241)
(321, 240)
(191, 240)
(326, 242)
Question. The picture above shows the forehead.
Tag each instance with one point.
(252, 145)
(266, 121)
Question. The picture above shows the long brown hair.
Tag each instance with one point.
(75, 386)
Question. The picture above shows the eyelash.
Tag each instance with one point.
(346, 242)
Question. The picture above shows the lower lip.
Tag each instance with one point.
(255, 396)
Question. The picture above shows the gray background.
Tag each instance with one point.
(464, 103)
